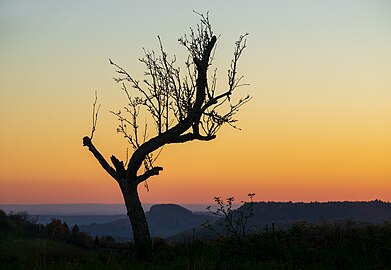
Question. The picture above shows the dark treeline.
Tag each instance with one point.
(23, 225)
(330, 245)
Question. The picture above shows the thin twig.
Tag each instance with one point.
(95, 112)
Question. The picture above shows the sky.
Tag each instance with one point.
(318, 127)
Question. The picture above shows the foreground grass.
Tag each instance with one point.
(328, 246)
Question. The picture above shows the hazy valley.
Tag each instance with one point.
(178, 223)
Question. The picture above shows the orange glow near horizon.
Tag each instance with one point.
(317, 129)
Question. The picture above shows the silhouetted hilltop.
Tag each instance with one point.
(162, 210)
(164, 220)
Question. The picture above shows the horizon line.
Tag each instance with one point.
(200, 203)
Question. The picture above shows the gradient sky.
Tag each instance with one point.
(318, 127)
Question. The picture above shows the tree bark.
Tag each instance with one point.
(135, 212)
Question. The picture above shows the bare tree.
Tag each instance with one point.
(181, 107)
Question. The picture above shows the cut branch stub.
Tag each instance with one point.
(86, 141)
(119, 166)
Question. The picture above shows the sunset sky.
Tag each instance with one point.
(317, 129)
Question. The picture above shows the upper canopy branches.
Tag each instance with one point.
(169, 96)
(182, 106)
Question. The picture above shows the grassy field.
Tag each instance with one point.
(332, 245)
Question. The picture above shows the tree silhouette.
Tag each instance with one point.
(182, 108)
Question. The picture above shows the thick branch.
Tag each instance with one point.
(87, 142)
(147, 174)
(208, 50)
(190, 137)
(202, 67)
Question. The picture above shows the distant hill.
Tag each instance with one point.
(68, 209)
(93, 209)
(71, 220)
(284, 214)
(164, 220)
(177, 223)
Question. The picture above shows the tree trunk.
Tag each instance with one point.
(141, 235)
